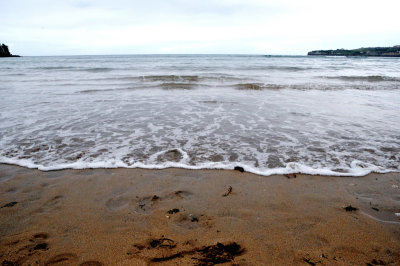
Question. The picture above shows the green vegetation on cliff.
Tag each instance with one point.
(371, 51)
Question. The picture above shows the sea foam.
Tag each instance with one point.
(269, 115)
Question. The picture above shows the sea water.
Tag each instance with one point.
(268, 114)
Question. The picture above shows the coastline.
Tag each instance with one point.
(121, 217)
(357, 169)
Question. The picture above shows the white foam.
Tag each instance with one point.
(290, 168)
(300, 121)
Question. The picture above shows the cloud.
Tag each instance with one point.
(209, 26)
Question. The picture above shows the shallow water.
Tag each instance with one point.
(317, 115)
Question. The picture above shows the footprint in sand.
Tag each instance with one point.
(123, 202)
(63, 259)
(22, 250)
(38, 242)
(117, 203)
(53, 203)
(144, 204)
(179, 194)
(91, 263)
(40, 236)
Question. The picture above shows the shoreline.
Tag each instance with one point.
(176, 216)
(291, 168)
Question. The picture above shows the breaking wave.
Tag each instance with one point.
(365, 78)
(269, 115)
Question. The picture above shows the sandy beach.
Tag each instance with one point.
(196, 217)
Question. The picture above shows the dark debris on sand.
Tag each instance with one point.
(209, 255)
(41, 246)
(10, 204)
(375, 262)
(219, 253)
(239, 168)
(162, 242)
(309, 261)
(229, 191)
(206, 255)
(7, 263)
(193, 218)
(172, 211)
(350, 208)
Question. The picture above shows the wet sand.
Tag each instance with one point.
(190, 217)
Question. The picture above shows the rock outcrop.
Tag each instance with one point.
(4, 52)
(371, 51)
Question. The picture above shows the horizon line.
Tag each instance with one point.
(171, 54)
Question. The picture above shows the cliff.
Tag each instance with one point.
(371, 51)
(4, 52)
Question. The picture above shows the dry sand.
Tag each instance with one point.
(120, 217)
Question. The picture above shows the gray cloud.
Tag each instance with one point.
(208, 26)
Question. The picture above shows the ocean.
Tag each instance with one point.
(268, 114)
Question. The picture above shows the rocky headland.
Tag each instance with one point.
(4, 52)
(370, 51)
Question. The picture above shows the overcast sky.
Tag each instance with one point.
(64, 27)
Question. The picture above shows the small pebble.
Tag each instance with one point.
(350, 208)
(193, 218)
(239, 168)
(172, 211)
